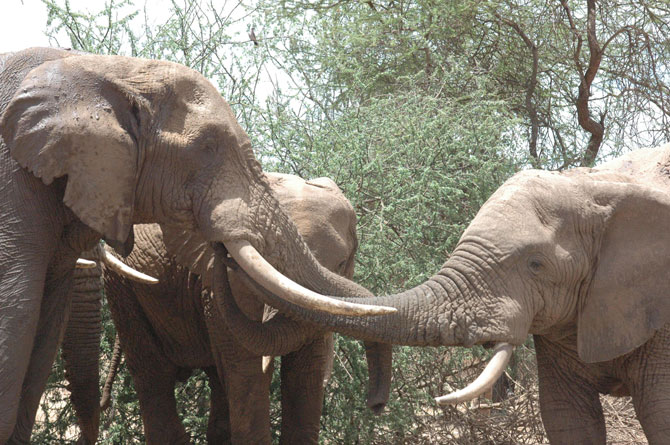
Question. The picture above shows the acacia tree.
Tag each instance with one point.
(584, 78)
(591, 74)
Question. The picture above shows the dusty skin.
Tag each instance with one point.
(578, 259)
(92, 145)
(168, 329)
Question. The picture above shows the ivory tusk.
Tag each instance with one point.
(267, 276)
(84, 264)
(502, 352)
(267, 361)
(122, 269)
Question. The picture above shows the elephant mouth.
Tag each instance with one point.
(265, 275)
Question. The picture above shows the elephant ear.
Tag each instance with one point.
(190, 250)
(629, 295)
(72, 117)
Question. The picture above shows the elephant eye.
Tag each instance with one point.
(535, 265)
(210, 149)
(342, 266)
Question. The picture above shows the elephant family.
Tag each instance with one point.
(94, 144)
(578, 259)
(168, 329)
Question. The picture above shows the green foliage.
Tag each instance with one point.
(433, 170)
(102, 32)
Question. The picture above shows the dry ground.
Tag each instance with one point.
(516, 420)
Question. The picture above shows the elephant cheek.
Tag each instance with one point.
(231, 220)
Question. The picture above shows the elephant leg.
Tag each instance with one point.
(247, 387)
(652, 406)
(302, 376)
(154, 375)
(248, 390)
(569, 404)
(155, 392)
(53, 313)
(218, 427)
(650, 387)
(19, 315)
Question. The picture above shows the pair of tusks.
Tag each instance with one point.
(248, 258)
(263, 273)
(502, 352)
(117, 266)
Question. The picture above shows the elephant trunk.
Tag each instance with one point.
(106, 399)
(81, 348)
(437, 312)
(378, 356)
(278, 336)
(415, 323)
(267, 276)
(281, 335)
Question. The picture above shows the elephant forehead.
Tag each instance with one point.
(185, 100)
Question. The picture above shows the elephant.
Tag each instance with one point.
(167, 330)
(91, 145)
(575, 258)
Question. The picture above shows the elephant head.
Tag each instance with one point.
(130, 140)
(549, 254)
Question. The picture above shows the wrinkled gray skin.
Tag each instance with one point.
(81, 346)
(579, 259)
(166, 330)
(92, 145)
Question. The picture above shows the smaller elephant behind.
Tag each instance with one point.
(169, 329)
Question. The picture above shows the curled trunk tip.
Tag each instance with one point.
(502, 352)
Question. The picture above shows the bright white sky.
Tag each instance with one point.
(22, 25)
(23, 22)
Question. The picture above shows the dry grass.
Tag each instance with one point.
(515, 420)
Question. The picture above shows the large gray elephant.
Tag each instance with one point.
(169, 329)
(94, 144)
(579, 259)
